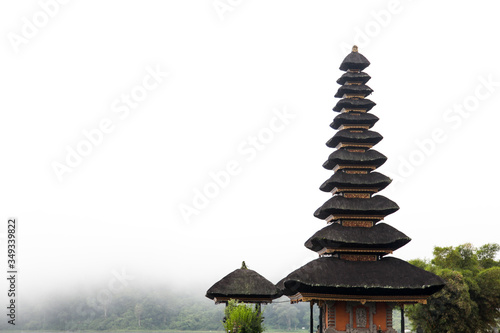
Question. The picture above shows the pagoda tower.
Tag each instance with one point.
(354, 282)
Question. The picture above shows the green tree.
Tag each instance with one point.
(242, 318)
(470, 301)
(486, 255)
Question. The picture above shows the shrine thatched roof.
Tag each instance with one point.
(370, 157)
(244, 283)
(354, 136)
(354, 60)
(354, 77)
(334, 236)
(343, 179)
(350, 118)
(354, 89)
(388, 276)
(339, 205)
(354, 103)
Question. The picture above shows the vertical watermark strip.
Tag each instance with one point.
(12, 269)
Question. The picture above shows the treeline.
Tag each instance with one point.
(136, 308)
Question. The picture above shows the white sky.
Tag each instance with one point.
(230, 70)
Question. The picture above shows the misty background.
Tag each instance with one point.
(184, 93)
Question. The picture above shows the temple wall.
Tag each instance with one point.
(342, 317)
(354, 317)
(380, 317)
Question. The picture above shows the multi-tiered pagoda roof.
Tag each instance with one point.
(353, 247)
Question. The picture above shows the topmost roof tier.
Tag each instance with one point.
(354, 61)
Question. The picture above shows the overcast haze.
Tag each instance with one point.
(179, 90)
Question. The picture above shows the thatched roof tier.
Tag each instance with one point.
(386, 277)
(342, 179)
(354, 136)
(244, 284)
(379, 237)
(354, 118)
(354, 60)
(339, 205)
(370, 157)
(354, 103)
(354, 89)
(361, 77)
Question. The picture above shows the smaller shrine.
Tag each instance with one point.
(244, 285)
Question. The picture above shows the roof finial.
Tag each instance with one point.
(354, 48)
(243, 265)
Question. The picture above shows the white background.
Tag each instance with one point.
(231, 65)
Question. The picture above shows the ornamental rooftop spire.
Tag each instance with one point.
(353, 281)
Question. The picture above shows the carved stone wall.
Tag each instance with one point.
(361, 316)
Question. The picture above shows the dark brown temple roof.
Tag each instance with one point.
(244, 283)
(349, 118)
(385, 277)
(355, 136)
(354, 103)
(342, 156)
(338, 205)
(354, 89)
(354, 77)
(354, 60)
(381, 236)
(342, 179)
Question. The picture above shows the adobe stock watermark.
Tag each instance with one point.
(246, 151)
(453, 118)
(31, 26)
(122, 107)
(223, 7)
(102, 298)
(371, 29)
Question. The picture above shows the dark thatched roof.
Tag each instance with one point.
(338, 205)
(381, 236)
(354, 103)
(354, 89)
(386, 277)
(353, 118)
(354, 60)
(342, 156)
(355, 136)
(342, 179)
(354, 77)
(244, 283)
